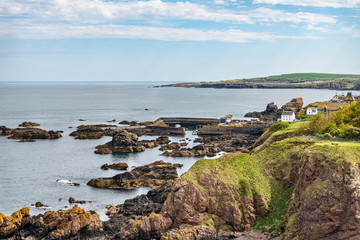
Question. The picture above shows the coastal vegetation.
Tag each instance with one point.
(294, 80)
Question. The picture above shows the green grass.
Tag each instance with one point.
(314, 76)
(238, 169)
(280, 198)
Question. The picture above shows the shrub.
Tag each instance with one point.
(352, 132)
(279, 126)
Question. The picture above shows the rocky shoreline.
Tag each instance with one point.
(286, 186)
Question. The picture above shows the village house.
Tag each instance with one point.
(288, 116)
(336, 103)
(227, 119)
(311, 111)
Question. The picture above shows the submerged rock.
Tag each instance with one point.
(68, 182)
(27, 140)
(151, 175)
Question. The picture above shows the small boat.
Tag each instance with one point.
(195, 132)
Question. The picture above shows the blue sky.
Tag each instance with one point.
(158, 40)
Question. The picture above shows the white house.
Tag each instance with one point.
(312, 111)
(288, 116)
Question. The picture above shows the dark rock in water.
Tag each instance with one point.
(68, 182)
(142, 205)
(178, 165)
(72, 200)
(5, 130)
(148, 143)
(211, 145)
(74, 223)
(94, 131)
(39, 204)
(122, 142)
(33, 133)
(163, 140)
(29, 124)
(172, 146)
(131, 123)
(82, 120)
(151, 175)
(146, 109)
(27, 140)
(115, 166)
(114, 120)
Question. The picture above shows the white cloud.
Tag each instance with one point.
(51, 31)
(92, 11)
(314, 3)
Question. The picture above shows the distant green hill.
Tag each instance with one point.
(292, 80)
(314, 76)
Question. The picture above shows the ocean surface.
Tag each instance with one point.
(29, 171)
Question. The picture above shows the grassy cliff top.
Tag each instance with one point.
(313, 76)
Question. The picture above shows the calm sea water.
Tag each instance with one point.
(28, 171)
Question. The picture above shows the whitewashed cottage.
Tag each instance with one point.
(288, 116)
(311, 111)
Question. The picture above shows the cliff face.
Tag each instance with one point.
(238, 191)
(326, 202)
(221, 193)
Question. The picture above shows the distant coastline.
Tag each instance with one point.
(284, 81)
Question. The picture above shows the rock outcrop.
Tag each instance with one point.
(122, 142)
(272, 113)
(34, 133)
(29, 124)
(11, 224)
(115, 166)
(269, 114)
(294, 105)
(211, 145)
(151, 175)
(172, 146)
(5, 130)
(94, 131)
(74, 223)
(148, 143)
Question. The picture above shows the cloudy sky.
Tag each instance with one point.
(170, 40)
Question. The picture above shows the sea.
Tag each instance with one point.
(38, 171)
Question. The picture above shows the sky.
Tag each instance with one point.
(180, 41)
